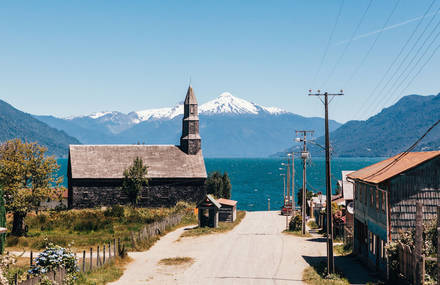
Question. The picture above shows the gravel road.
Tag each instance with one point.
(255, 252)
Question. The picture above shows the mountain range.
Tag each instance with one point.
(229, 127)
(17, 124)
(389, 132)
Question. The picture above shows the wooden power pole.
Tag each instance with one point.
(330, 258)
(304, 157)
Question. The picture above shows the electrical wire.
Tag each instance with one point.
(338, 61)
(354, 73)
(362, 109)
(328, 42)
(403, 154)
(410, 66)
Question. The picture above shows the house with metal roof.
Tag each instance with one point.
(175, 172)
(385, 200)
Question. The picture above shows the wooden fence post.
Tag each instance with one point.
(31, 258)
(97, 257)
(84, 261)
(419, 276)
(91, 259)
(438, 245)
(114, 247)
(119, 246)
(109, 251)
(103, 254)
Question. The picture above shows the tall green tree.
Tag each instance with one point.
(227, 187)
(135, 178)
(27, 177)
(218, 185)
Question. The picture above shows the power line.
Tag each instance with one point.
(349, 42)
(354, 73)
(415, 65)
(408, 65)
(328, 42)
(421, 68)
(362, 108)
(403, 153)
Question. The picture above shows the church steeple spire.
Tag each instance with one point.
(190, 141)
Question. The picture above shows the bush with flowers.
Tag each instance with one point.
(55, 257)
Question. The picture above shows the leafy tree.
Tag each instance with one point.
(309, 196)
(219, 185)
(27, 177)
(227, 187)
(134, 180)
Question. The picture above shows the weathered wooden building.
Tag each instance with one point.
(228, 211)
(385, 200)
(175, 173)
(208, 212)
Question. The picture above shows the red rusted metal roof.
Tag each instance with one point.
(228, 202)
(392, 166)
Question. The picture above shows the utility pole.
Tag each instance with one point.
(330, 258)
(304, 157)
(292, 156)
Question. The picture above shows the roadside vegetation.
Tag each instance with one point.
(222, 227)
(342, 249)
(317, 275)
(89, 227)
(110, 272)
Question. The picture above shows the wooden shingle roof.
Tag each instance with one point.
(391, 167)
(109, 161)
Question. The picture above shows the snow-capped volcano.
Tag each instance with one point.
(223, 104)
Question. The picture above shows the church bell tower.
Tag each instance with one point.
(190, 141)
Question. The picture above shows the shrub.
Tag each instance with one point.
(295, 223)
(115, 211)
(55, 257)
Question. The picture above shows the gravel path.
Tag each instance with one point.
(255, 252)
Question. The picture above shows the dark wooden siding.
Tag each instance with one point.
(421, 183)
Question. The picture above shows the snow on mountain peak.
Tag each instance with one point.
(225, 103)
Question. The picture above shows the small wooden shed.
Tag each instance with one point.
(228, 211)
(208, 212)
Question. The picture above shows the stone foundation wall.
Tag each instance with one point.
(152, 196)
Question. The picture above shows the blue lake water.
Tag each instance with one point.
(254, 180)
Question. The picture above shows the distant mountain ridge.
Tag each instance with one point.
(229, 126)
(17, 124)
(389, 132)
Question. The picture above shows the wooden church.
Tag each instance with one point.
(175, 173)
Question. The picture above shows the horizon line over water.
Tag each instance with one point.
(255, 180)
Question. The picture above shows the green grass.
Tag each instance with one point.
(342, 249)
(109, 272)
(312, 224)
(87, 228)
(297, 233)
(316, 275)
(222, 227)
(176, 261)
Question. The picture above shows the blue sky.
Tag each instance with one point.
(77, 57)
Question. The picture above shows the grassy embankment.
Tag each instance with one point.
(297, 233)
(316, 275)
(87, 228)
(82, 229)
(222, 227)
